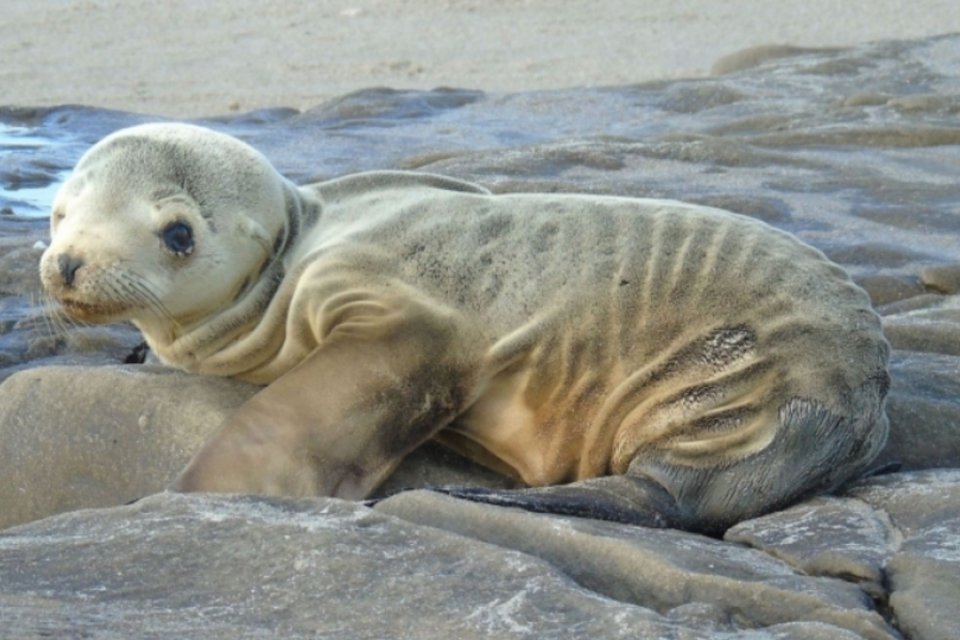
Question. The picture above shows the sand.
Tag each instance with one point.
(186, 59)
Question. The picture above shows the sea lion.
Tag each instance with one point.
(639, 360)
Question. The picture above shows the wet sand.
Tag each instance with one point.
(186, 59)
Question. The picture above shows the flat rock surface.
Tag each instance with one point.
(852, 150)
(418, 566)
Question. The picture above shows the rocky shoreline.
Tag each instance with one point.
(852, 150)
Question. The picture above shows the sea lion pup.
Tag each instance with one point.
(665, 363)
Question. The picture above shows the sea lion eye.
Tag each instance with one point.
(178, 237)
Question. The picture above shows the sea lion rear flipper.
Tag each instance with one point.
(624, 499)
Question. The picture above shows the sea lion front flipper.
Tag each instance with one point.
(389, 373)
(625, 499)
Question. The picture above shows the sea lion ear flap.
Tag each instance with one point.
(302, 211)
(250, 228)
(303, 206)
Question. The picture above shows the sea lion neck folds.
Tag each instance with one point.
(666, 363)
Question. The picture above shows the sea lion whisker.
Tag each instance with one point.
(132, 290)
(61, 322)
(58, 322)
(41, 320)
(154, 301)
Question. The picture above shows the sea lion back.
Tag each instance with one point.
(673, 340)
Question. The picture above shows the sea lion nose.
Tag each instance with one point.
(68, 267)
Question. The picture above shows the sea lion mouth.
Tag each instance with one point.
(90, 312)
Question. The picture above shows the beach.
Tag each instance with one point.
(846, 138)
(182, 59)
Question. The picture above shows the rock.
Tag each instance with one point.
(79, 437)
(924, 411)
(217, 567)
(932, 328)
(656, 569)
(228, 567)
(924, 573)
(74, 437)
(898, 536)
(827, 536)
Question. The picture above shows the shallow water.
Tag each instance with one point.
(27, 194)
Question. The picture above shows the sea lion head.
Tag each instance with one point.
(164, 225)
